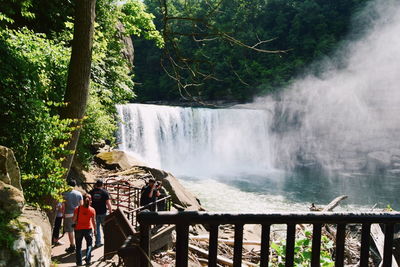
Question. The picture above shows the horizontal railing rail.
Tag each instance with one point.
(127, 197)
(162, 204)
(182, 220)
(122, 195)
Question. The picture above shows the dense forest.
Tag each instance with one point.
(208, 50)
(233, 50)
(35, 50)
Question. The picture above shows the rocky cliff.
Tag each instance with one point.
(25, 231)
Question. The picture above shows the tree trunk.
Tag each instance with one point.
(77, 91)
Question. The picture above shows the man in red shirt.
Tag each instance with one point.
(85, 224)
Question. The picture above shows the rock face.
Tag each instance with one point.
(9, 170)
(117, 160)
(29, 226)
(128, 50)
(32, 246)
(11, 199)
(11, 196)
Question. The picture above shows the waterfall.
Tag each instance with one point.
(197, 141)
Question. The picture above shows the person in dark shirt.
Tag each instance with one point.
(149, 194)
(100, 202)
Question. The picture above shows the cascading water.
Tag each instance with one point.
(198, 141)
(334, 134)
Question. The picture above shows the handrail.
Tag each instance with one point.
(200, 217)
(182, 220)
(131, 193)
(132, 214)
(151, 204)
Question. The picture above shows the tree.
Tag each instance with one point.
(77, 91)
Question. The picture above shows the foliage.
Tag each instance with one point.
(140, 23)
(302, 252)
(7, 235)
(31, 79)
(35, 40)
(111, 79)
(98, 125)
(306, 30)
(389, 208)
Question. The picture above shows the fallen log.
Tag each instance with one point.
(334, 203)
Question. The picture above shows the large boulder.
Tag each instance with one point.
(9, 170)
(117, 160)
(11, 200)
(32, 245)
(182, 198)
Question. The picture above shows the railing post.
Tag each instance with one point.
(145, 245)
(182, 243)
(290, 238)
(129, 198)
(265, 233)
(388, 246)
(213, 248)
(237, 250)
(117, 194)
(316, 245)
(340, 238)
(365, 236)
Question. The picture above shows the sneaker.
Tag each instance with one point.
(71, 249)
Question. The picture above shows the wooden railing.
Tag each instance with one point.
(162, 204)
(182, 220)
(122, 195)
(127, 198)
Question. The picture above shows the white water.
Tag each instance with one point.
(234, 158)
(197, 141)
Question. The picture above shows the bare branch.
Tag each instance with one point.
(189, 72)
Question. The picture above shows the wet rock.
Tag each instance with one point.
(117, 160)
(355, 164)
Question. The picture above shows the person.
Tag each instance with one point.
(149, 194)
(161, 205)
(100, 202)
(85, 224)
(73, 199)
(57, 224)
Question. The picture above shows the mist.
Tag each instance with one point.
(346, 118)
